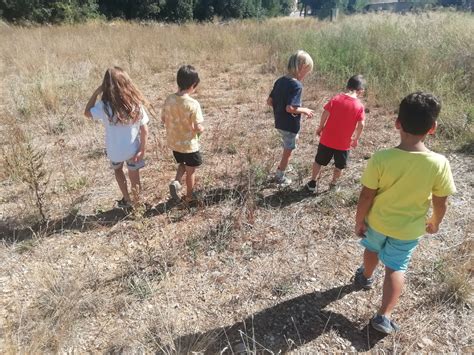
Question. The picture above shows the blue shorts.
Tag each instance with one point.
(288, 139)
(131, 165)
(393, 253)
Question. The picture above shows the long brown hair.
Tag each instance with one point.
(122, 99)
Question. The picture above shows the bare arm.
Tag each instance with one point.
(143, 141)
(366, 199)
(270, 101)
(440, 205)
(92, 101)
(198, 128)
(357, 133)
(322, 122)
(299, 110)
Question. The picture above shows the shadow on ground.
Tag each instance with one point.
(9, 233)
(281, 328)
(279, 199)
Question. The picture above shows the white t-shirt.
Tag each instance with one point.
(122, 141)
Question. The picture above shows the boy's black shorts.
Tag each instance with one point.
(189, 159)
(325, 154)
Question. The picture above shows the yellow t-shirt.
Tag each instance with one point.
(181, 114)
(405, 182)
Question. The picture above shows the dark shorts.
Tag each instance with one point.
(325, 154)
(189, 159)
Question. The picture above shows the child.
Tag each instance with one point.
(342, 115)
(126, 131)
(285, 98)
(398, 185)
(183, 119)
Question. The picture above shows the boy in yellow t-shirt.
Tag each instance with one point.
(183, 119)
(398, 186)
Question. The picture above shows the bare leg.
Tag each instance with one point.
(122, 183)
(285, 158)
(190, 180)
(316, 171)
(134, 176)
(336, 175)
(392, 289)
(371, 259)
(180, 172)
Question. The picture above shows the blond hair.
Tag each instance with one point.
(298, 61)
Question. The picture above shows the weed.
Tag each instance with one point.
(26, 163)
(283, 288)
(456, 274)
(139, 286)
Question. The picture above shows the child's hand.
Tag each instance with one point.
(307, 112)
(319, 130)
(139, 156)
(360, 229)
(354, 142)
(432, 226)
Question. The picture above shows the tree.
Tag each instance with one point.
(204, 10)
(179, 10)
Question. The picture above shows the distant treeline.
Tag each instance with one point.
(70, 11)
(60, 11)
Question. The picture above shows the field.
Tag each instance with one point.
(253, 268)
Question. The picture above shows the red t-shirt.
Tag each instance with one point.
(344, 113)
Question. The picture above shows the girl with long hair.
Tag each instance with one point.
(121, 110)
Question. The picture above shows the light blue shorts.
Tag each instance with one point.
(393, 253)
(131, 165)
(288, 139)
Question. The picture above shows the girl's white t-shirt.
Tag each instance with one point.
(122, 141)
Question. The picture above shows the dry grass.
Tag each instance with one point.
(253, 267)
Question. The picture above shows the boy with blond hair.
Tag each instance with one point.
(399, 184)
(285, 99)
(183, 119)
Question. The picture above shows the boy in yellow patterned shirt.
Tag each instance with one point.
(399, 185)
(183, 119)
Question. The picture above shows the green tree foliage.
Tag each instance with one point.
(59, 11)
(43, 11)
(131, 9)
(179, 10)
(204, 10)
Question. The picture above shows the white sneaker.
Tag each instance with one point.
(175, 186)
(283, 181)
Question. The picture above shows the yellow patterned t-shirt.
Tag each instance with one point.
(181, 115)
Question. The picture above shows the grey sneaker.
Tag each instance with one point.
(384, 325)
(123, 203)
(282, 181)
(361, 281)
(175, 186)
(334, 187)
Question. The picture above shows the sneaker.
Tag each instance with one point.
(384, 325)
(312, 186)
(175, 186)
(283, 180)
(123, 203)
(334, 187)
(361, 281)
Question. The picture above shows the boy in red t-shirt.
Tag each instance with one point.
(340, 128)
